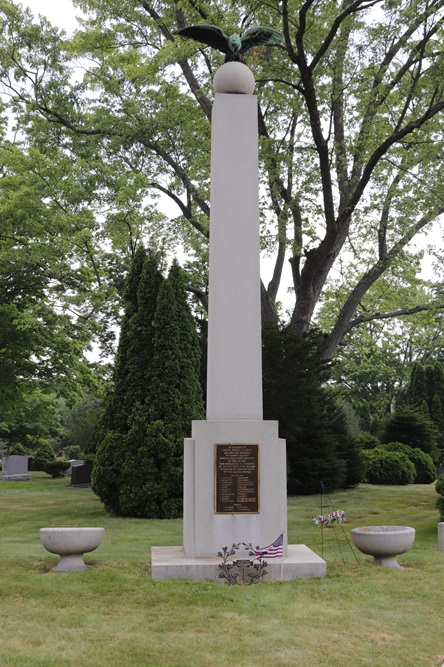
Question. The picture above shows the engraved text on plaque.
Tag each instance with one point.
(236, 478)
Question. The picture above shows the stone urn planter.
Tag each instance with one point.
(384, 543)
(70, 544)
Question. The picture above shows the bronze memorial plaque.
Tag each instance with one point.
(236, 481)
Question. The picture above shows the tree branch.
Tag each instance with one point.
(394, 313)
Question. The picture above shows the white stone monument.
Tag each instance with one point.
(234, 463)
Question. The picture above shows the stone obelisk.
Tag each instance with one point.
(234, 379)
(235, 462)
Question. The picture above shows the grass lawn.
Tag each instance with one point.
(115, 615)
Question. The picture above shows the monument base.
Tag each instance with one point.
(171, 563)
(205, 530)
(23, 477)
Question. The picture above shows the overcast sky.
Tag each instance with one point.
(59, 12)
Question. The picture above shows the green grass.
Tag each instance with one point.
(116, 615)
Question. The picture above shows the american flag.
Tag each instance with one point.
(275, 550)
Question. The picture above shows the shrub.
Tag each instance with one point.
(17, 450)
(43, 455)
(56, 468)
(368, 441)
(439, 487)
(73, 452)
(414, 429)
(424, 467)
(384, 467)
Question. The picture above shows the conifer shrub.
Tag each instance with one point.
(368, 441)
(138, 469)
(106, 472)
(319, 446)
(43, 456)
(385, 467)
(413, 428)
(439, 487)
(56, 468)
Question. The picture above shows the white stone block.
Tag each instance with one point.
(171, 563)
(205, 532)
(234, 381)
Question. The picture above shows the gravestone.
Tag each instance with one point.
(81, 475)
(441, 536)
(72, 463)
(15, 468)
(235, 462)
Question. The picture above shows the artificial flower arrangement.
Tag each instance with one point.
(337, 516)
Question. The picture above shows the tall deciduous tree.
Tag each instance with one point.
(350, 119)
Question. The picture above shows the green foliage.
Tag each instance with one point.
(425, 469)
(341, 104)
(79, 423)
(73, 452)
(412, 428)
(139, 464)
(43, 456)
(418, 388)
(123, 397)
(439, 485)
(424, 465)
(17, 449)
(55, 468)
(368, 441)
(106, 473)
(426, 395)
(44, 459)
(319, 447)
(152, 484)
(440, 507)
(386, 467)
(439, 488)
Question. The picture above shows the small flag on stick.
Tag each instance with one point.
(275, 550)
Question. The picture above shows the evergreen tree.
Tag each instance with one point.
(182, 376)
(140, 333)
(438, 380)
(429, 372)
(413, 428)
(318, 445)
(131, 367)
(163, 396)
(174, 399)
(436, 413)
(121, 402)
(417, 391)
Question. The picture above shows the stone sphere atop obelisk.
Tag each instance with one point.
(234, 77)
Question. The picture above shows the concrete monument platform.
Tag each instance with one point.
(171, 563)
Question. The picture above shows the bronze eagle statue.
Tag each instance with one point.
(233, 46)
